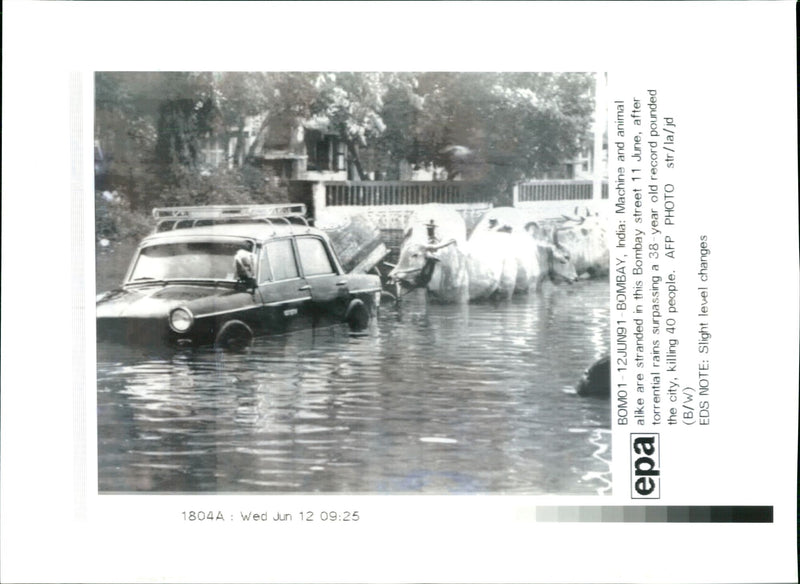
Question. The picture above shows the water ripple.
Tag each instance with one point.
(439, 398)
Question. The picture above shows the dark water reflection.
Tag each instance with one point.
(435, 399)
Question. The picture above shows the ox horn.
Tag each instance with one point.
(440, 246)
(580, 221)
(555, 235)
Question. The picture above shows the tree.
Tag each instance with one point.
(187, 114)
(182, 123)
(403, 108)
(238, 96)
(155, 125)
(502, 127)
(351, 104)
(493, 127)
(125, 133)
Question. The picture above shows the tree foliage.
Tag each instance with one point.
(513, 125)
(351, 104)
(493, 127)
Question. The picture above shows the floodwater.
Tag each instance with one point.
(434, 399)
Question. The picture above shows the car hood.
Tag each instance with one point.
(159, 300)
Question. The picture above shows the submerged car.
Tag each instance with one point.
(224, 275)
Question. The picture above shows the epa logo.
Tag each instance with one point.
(645, 466)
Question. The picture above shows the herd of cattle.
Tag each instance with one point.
(507, 252)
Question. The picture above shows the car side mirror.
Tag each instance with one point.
(246, 283)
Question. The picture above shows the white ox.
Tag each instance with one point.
(436, 255)
(584, 237)
(536, 250)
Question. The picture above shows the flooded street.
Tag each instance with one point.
(433, 399)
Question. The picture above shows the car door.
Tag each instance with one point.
(329, 290)
(285, 294)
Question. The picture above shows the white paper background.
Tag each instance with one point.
(728, 72)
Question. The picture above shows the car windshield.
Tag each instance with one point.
(206, 260)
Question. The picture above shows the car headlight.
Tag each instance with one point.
(180, 320)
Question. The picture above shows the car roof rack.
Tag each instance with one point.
(168, 218)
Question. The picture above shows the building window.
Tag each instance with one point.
(340, 157)
(325, 151)
(319, 150)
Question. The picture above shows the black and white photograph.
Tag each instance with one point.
(454, 291)
(352, 282)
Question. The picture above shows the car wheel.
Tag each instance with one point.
(234, 336)
(357, 316)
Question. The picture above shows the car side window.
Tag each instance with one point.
(264, 272)
(314, 257)
(280, 256)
